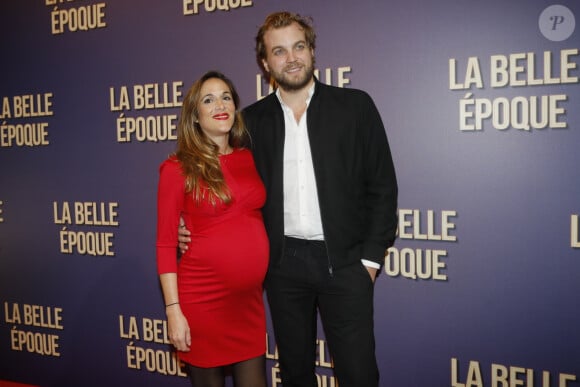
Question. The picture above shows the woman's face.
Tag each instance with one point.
(216, 109)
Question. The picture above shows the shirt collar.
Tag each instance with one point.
(310, 94)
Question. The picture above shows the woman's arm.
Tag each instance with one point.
(178, 327)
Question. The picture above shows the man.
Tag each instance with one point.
(330, 212)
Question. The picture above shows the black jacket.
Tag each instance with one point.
(353, 167)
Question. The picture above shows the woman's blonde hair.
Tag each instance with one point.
(197, 153)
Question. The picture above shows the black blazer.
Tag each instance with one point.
(353, 167)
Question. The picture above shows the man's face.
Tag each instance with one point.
(289, 58)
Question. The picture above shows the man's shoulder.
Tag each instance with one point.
(343, 103)
(340, 92)
(265, 103)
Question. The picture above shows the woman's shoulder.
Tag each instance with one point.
(170, 164)
(239, 155)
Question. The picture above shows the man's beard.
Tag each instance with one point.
(288, 84)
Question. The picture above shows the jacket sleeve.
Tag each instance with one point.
(380, 185)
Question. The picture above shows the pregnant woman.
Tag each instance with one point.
(213, 293)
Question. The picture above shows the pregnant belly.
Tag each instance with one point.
(232, 256)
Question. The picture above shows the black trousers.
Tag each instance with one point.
(301, 286)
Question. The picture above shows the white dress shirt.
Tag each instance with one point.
(301, 211)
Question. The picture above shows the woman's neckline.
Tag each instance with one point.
(230, 151)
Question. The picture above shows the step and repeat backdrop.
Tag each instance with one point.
(481, 103)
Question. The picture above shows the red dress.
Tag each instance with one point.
(220, 276)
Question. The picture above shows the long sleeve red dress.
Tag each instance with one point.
(219, 278)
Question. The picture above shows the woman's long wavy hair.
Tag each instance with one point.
(197, 153)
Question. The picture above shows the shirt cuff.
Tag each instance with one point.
(372, 264)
